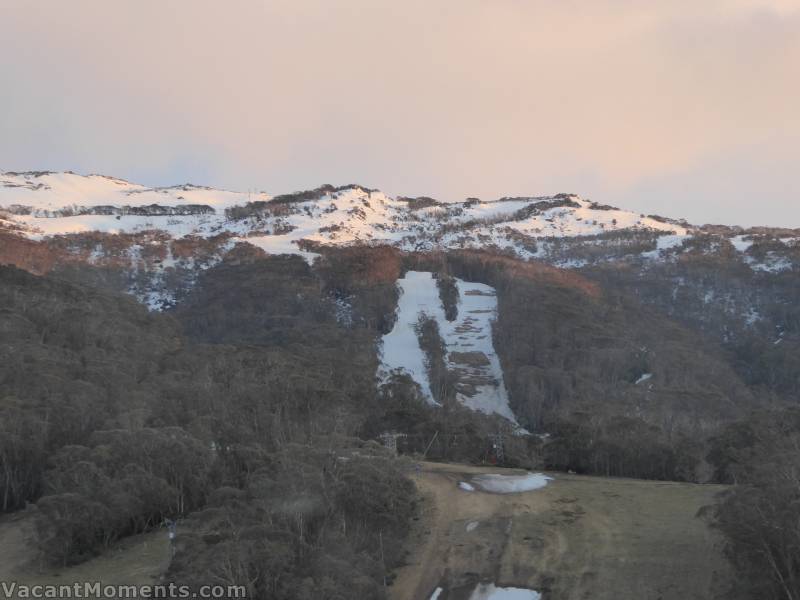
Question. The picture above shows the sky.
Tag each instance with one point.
(681, 108)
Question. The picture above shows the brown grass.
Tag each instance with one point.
(579, 537)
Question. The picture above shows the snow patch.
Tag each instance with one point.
(643, 378)
(400, 352)
(470, 335)
(281, 244)
(742, 243)
(511, 484)
(752, 317)
(772, 263)
(664, 244)
(468, 340)
(488, 591)
(465, 486)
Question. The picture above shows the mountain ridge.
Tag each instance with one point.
(40, 205)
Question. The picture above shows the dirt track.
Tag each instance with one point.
(578, 538)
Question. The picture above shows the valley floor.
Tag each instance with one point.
(579, 537)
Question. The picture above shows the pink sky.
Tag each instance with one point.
(687, 109)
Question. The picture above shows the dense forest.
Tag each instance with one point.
(113, 419)
(760, 515)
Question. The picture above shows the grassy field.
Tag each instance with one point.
(138, 560)
(580, 537)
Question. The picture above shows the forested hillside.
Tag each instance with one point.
(250, 410)
(112, 420)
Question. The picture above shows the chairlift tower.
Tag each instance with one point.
(389, 440)
(498, 446)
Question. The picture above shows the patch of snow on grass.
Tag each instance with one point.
(471, 526)
(465, 486)
(436, 593)
(488, 591)
(511, 484)
(643, 378)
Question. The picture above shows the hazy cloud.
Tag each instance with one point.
(676, 107)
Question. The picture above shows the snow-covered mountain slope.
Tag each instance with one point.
(470, 356)
(155, 232)
(53, 192)
(162, 245)
(48, 204)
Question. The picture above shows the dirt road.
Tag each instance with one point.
(578, 538)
